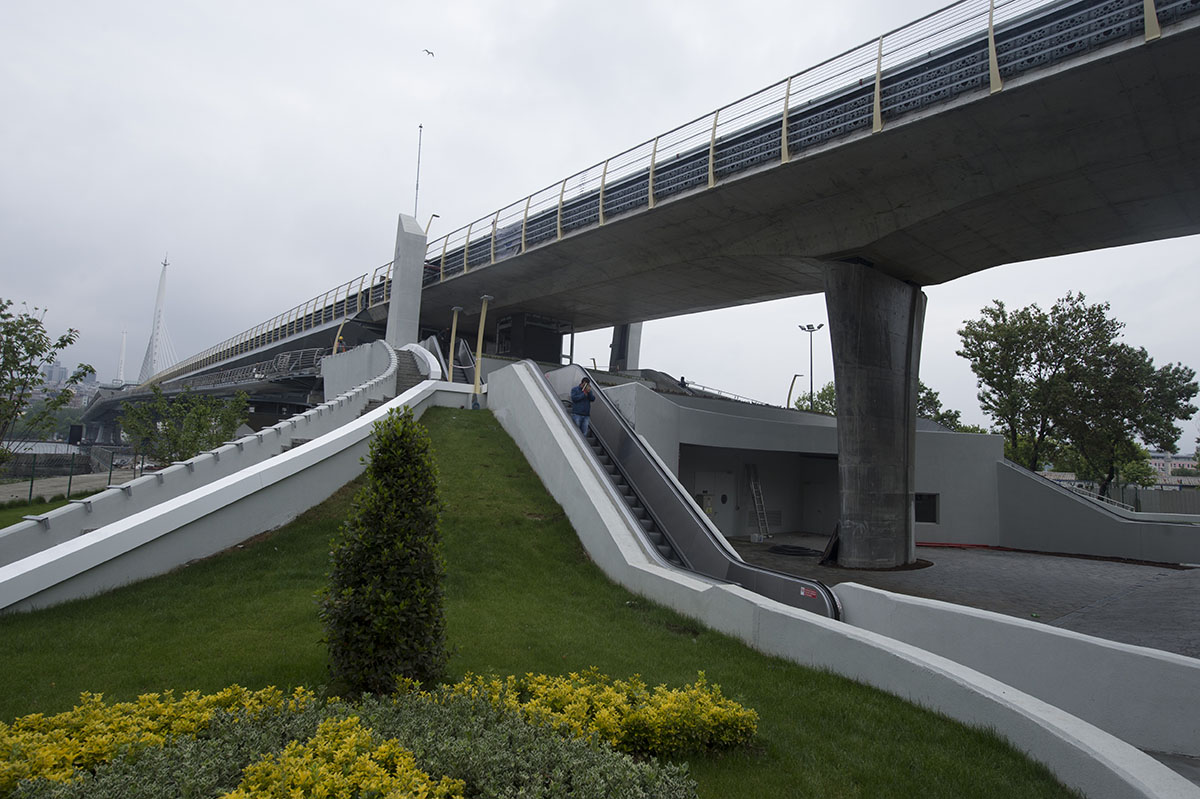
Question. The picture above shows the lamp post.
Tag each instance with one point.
(810, 329)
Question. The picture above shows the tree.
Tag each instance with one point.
(825, 401)
(929, 406)
(1118, 400)
(26, 349)
(170, 430)
(1061, 379)
(383, 607)
(1022, 361)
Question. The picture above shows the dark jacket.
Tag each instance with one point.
(581, 402)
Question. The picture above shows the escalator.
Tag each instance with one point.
(681, 534)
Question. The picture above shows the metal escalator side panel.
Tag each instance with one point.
(677, 516)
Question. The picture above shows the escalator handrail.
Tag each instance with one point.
(593, 463)
(724, 566)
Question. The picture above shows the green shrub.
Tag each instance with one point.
(208, 765)
(57, 747)
(627, 714)
(383, 607)
(500, 753)
(343, 758)
(495, 751)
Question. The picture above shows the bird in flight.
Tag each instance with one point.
(430, 52)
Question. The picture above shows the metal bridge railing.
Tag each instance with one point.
(970, 45)
(287, 364)
(341, 302)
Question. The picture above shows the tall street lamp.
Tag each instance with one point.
(810, 329)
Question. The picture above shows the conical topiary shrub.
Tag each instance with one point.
(383, 607)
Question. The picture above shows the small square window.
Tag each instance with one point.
(926, 508)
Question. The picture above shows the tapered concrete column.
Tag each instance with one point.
(875, 326)
(404, 308)
(626, 347)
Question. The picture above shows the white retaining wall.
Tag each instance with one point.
(375, 366)
(1080, 754)
(208, 519)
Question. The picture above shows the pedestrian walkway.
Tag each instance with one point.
(1151, 605)
(48, 487)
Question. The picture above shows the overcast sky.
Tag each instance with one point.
(266, 148)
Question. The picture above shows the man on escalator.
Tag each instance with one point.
(581, 405)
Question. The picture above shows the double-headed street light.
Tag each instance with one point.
(810, 329)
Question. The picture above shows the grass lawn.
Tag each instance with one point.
(521, 596)
(10, 516)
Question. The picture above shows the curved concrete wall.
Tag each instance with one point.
(1081, 754)
(1148, 698)
(375, 366)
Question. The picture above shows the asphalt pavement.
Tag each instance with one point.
(1148, 604)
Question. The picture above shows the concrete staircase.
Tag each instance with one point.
(407, 373)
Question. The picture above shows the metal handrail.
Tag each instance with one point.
(689, 532)
(692, 149)
(865, 87)
(342, 301)
(725, 394)
(1076, 490)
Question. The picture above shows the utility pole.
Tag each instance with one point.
(417, 190)
(810, 329)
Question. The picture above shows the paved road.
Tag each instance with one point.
(1145, 604)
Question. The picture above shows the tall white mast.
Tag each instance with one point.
(160, 353)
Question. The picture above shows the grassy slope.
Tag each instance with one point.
(521, 596)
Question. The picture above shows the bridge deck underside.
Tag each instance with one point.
(1100, 152)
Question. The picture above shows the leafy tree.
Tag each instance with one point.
(1056, 379)
(25, 350)
(58, 421)
(169, 430)
(824, 401)
(1022, 362)
(1183, 471)
(1119, 399)
(929, 406)
(383, 608)
(1132, 467)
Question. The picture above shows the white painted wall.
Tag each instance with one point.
(1148, 698)
(374, 366)
(208, 519)
(697, 434)
(1079, 753)
(1035, 514)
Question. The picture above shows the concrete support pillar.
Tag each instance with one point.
(875, 324)
(626, 347)
(404, 308)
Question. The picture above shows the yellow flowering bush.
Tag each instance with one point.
(343, 760)
(626, 713)
(58, 747)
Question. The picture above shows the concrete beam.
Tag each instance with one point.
(404, 308)
(875, 326)
(626, 347)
